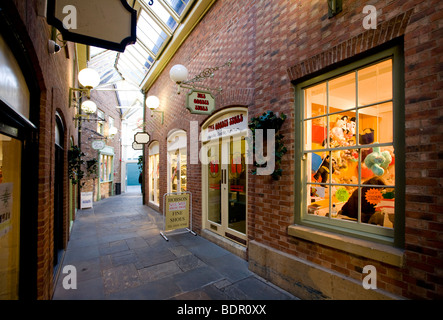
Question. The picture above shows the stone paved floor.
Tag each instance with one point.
(118, 253)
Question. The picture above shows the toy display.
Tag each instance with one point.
(340, 168)
(378, 161)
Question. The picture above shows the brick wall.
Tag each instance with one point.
(273, 43)
(54, 74)
(106, 101)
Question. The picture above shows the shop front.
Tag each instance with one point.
(16, 171)
(224, 174)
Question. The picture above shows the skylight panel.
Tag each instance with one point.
(177, 5)
(150, 33)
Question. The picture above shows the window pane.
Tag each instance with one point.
(340, 198)
(213, 154)
(318, 200)
(378, 162)
(178, 5)
(174, 171)
(152, 169)
(345, 166)
(376, 124)
(315, 101)
(163, 14)
(375, 83)
(315, 134)
(150, 33)
(341, 93)
(157, 184)
(320, 167)
(183, 176)
(342, 132)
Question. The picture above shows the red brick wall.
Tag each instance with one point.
(106, 101)
(55, 75)
(274, 42)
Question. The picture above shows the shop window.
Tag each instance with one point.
(101, 124)
(106, 168)
(10, 186)
(154, 173)
(111, 123)
(348, 149)
(177, 161)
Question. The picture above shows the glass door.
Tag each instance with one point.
(236, 186)
(214, 186)
(226, 188)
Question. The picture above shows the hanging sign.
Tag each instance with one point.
(141, 137)
(98, 144)
(109, 24)
(137, 146)
(200, 102)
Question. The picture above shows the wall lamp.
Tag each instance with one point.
(88, 107)
(152, 102)
(179, 74)
(89, 79)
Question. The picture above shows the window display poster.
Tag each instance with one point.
(5, 207)
(177, 211)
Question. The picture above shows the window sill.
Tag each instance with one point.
(364, 248)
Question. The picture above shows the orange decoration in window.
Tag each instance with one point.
(373, 196)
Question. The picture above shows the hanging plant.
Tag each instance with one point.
(270, 120)
(75, 163)
(91, 167)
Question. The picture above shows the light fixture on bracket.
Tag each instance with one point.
(179, 74)
(89, 108)
(152, 102)
(89, 79)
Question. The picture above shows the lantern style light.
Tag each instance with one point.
(89, 107)
(89, 78)
(152, 102)
(113, 131)
(178, 73)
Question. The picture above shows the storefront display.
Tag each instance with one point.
(154, 174)
(10, 181)
(349, 145)
(177, 161)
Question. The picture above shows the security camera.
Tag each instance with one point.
(53, 47)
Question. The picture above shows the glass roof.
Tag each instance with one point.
(157, 21)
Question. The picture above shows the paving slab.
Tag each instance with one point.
(118, 254)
